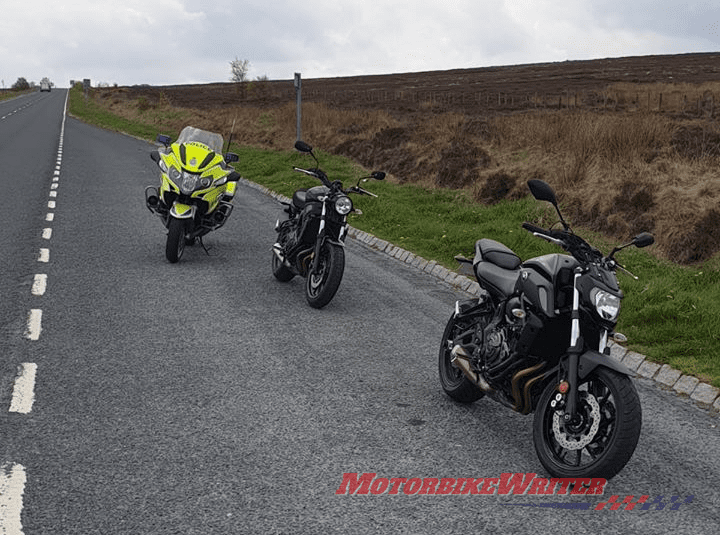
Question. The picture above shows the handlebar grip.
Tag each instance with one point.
(534, 228)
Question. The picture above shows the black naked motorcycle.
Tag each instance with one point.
(310, 242)
(536, 340)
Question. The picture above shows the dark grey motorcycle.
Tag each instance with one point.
(311, 240)
(536, 340)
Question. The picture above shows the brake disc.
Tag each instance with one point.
(577, 440)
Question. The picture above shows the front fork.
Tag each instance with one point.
(321, 238)
(576, 347)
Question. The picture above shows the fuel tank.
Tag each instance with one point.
(547, 282)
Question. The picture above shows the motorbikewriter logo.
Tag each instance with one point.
(527, 484)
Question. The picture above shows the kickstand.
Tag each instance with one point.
(203, 246)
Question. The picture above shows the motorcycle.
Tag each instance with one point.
(197, 188)
(536, 340)
(310, 242)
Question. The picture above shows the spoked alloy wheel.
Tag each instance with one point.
(321, 284)
(600, 442)
(175, 244)
(453, 381)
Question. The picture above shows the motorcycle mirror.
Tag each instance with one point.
(643, 239)
(302, 146)
(542, 191)
(165, 140)
(155, 156)
(231, 157)
(378, 175)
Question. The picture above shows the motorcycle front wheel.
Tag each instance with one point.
(453, 381)
(322, 283)
(175, 244)
(600, 442)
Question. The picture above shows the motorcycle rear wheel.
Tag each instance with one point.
(175, 244)
(601, 443)
(322, 283)
(453, 381)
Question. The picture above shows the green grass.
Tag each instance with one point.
(671, 314)
(89, 111)
(7, 94)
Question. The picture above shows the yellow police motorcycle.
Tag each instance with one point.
(197, 187)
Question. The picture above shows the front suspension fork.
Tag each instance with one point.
(576, 347)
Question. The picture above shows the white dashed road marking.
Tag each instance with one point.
(24, 390)
(12, 486)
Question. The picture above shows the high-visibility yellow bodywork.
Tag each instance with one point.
(197, 187)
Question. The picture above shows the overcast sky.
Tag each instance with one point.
(163, 42)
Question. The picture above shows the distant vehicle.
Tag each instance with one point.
(45, 85)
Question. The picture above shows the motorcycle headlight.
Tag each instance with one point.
(343, 205)
(189, 183)
(174, 174)
(606, 304)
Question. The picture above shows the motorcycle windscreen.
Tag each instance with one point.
(213, 141)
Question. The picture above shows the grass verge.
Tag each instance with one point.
(8, 94)
(671, 313)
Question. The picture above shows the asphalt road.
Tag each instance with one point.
(206, 397)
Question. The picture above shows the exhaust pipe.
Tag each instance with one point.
(522, 400)
(277, 249)
(460, 358)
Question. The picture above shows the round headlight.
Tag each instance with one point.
(606, 304)
(189, 183)
(174, 174)
(205, 182)
(343, 205)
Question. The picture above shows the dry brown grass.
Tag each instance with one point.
(617, 172)
(626, 173)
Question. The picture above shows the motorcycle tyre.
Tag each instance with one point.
(453, 381)
(621, 443)
(175, 244)
(280, 270)
(332, 266)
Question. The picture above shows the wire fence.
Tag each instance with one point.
(701, 104)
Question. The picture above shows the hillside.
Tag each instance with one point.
(631, 144)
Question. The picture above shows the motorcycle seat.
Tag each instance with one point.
(496, 253)
(496, 267)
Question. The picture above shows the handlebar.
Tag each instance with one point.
(306, 171)
(316, 173)
(555, 237)
(572, 243)
(533, 228)
(336, 185)
(361, 191)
